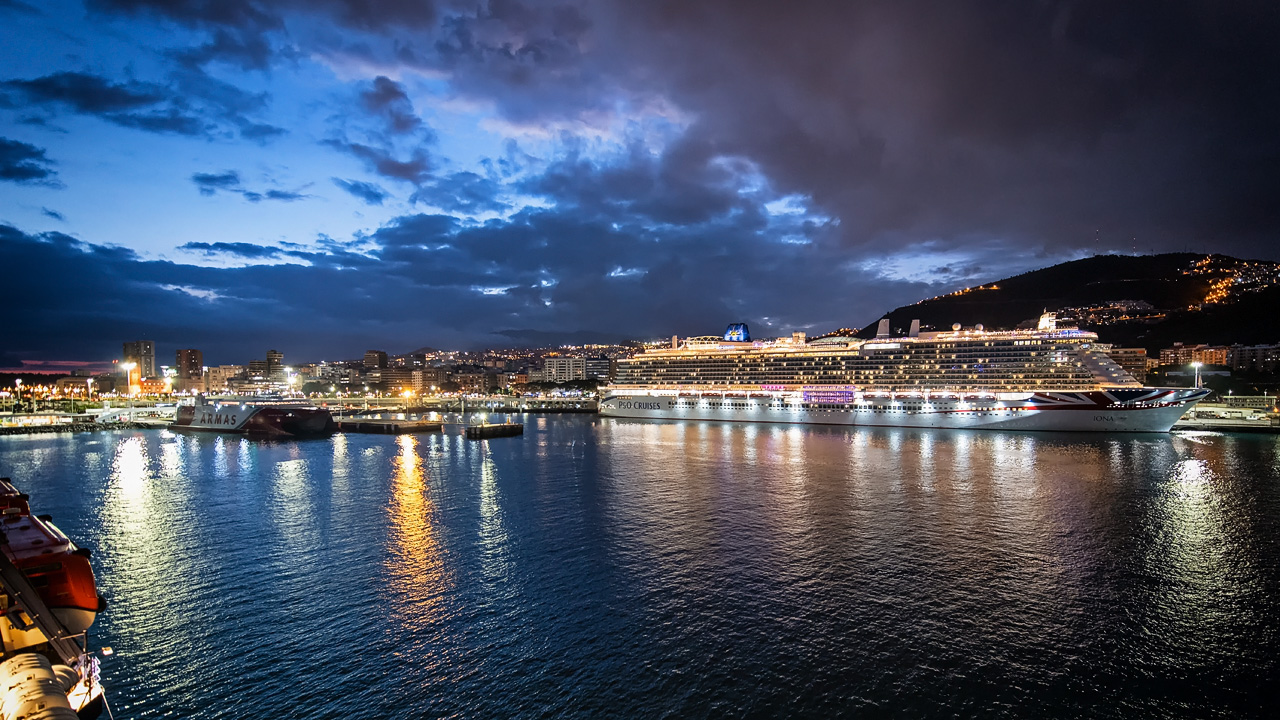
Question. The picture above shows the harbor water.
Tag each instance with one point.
(597, 567)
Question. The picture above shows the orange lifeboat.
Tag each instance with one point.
(10, 498)
(55, 567)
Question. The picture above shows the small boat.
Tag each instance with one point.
(251, 416)
(48, 603)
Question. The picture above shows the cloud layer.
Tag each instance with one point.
(648, 168)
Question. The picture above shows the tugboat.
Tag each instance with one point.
(48, 602)
(256, 416)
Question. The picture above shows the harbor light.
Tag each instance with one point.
(1197, 365)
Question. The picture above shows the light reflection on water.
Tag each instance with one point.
(416, 570)
(595, 567)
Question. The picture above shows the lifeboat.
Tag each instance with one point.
(56, 569)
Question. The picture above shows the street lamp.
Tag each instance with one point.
(1197, 365)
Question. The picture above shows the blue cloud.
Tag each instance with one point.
(370, 193)
(24, 163)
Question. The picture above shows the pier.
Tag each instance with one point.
(485, 431)
(389, 427)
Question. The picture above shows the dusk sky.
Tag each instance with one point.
(331, 176)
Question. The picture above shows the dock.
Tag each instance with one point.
(493, 430)
(389, 427)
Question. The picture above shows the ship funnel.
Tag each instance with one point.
(882, 330)
(915, 328)
(1048, 322)
(675, 342)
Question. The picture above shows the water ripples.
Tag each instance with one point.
(600, 567)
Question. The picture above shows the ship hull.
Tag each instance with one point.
(270, 421)
(1128, 410)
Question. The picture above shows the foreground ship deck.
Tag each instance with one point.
(1047, 379)
(48, 599)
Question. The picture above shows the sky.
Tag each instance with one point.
(331, 176)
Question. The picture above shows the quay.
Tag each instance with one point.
(74, 427)
(389, 427)
(485, 431)
(479, 403)
(1233, 426)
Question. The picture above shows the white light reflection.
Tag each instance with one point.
(341, 464)
(493, 532)
(292, 505)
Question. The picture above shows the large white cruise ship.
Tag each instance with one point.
(1049, 378)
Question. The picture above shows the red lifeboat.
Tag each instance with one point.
(55, 567)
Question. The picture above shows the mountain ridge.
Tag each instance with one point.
(1147, 301)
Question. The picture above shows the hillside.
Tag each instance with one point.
(1147, 301)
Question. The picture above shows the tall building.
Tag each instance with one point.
(143, 353)
(600, 368)
(1133, 360)
(397, 379)
(564, 369)
(219, 378)
(275, 366)
(375, 359)
(189, 364)
(1260, 358)
(1181, 354)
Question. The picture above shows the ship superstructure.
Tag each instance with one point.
(1049, 378)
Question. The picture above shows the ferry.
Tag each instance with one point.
(48, 602)
(256, 416)
(1050, 378)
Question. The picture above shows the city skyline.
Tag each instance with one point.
(331, 178)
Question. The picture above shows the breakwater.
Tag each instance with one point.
(73, 428)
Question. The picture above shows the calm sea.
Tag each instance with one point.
(610, 568)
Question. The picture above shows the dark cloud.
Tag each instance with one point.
(250, 35)
(387, 99)
(247, 50)
(544, 270)
(210, 184)
(53, 214)
(462, 192)
(24, 163)
(238, 249)
(1038, 122)
(370, 193)
(393, 141)
(1045, 124)
(194, 104)
(88, 94)
(260, 132)
(281, 195)
(416, 169)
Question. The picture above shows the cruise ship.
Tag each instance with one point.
(1050, 378)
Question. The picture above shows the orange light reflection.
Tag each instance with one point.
(416, 574)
